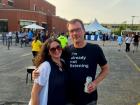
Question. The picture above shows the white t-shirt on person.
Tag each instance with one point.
(128, 40)
(43, 80)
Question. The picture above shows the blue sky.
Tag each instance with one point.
(106, 11)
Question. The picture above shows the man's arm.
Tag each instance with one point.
(100, 77)
(35, 94)
(35, 74)
(102, 74)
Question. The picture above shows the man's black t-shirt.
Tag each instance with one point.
(136, 38)
(83, 62)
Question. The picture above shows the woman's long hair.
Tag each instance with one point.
(44, 55)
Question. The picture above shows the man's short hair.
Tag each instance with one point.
(73, 21)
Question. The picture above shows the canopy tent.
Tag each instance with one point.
(88, 28)
(95, 26)
(34, 26)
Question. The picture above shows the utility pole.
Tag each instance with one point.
(133, 17)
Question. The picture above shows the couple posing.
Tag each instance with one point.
(62, 82)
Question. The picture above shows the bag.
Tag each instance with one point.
(126, 39)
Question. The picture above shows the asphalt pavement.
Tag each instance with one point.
(121, 87)
(13, 63)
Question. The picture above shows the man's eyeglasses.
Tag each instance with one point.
(55, 48)
(75, 30)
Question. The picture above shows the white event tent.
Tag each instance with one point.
(34, 26)
(95, 26)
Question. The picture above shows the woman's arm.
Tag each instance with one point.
(35, 94)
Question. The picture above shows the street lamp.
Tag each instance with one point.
(133, 21)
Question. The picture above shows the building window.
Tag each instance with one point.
(25, 23)
(10, 3)
(3, 26)
(34, 7)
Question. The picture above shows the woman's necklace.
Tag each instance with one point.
(60, 66)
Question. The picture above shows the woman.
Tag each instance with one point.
(50, 87)
(36, 46)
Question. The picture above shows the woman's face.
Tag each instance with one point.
(55, 50)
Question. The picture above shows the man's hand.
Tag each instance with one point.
(104, 71)
(91, 87)
(35, 74)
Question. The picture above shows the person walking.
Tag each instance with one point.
(9, 37)
(120, 42)
(16, 38)
(104, 38)
(128, 40)
(50, 87)
(135, 42)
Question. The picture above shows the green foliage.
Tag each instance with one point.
(119, 30)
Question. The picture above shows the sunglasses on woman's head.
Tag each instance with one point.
(53, 49)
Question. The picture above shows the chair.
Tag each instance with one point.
(30, 69)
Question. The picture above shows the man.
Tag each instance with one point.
(82, 60)
(9, 37)
(135, 42)
(30, 35)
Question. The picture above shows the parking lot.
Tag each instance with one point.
(121, 87)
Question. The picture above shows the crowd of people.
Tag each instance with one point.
(129, 39)
(32, 38)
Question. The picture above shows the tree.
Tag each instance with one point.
(123, 26)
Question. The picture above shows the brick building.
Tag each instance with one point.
(14, 14)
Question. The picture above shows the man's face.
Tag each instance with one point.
(76, 32)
